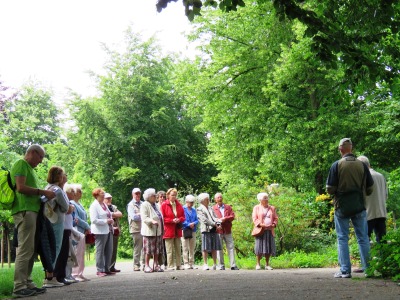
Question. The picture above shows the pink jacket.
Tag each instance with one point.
(258, 216)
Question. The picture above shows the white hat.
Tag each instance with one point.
(107, 195)
(136, 190)
(345, 141)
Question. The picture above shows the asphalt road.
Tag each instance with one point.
(278, 284)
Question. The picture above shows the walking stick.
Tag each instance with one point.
(155, 250)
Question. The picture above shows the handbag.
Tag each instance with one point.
(257, 231)
(49, 211)
(90, 238)
(351, 202)
(213, 229)
(187, 233)
(116, 231)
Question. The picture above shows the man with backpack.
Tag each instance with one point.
(25, 211)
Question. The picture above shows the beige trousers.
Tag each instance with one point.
(173, 250)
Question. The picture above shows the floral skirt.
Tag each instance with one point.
(265, 244)
(153, 245)
(210, 241)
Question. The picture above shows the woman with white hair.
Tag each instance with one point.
(265, 217)
(151, 231)
(189, 232)
(210, 241)
(83, 227)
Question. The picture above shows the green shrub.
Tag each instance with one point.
(385, 257)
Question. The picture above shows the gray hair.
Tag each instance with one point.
(364, 159)
(260, 196)
(77, 187)
(148, 193)
(35, 147)
(190, 198)
(202, 197)
(69, 188)
(217, 194)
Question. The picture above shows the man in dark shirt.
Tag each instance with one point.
(344, 175)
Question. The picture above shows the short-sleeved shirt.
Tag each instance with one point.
(24, 202)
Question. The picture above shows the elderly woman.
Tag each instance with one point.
(173, 215)
(102, 227)
(190, 225)
(83, 227)
(209, 222)
(162, 259)
(55, 210)
(264, 216)
(151, 231)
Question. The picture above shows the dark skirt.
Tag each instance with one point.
(153, 245)
(265, 244)
(210, 241)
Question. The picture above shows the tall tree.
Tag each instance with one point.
(136, 133)
(32, 117)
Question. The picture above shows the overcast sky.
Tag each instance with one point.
(57, 41)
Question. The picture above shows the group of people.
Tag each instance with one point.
(162, 228)
(49, 222)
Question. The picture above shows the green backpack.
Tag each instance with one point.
(7, 190)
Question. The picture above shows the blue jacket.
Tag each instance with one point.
(190, 217)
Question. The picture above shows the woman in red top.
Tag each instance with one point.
(174, 215)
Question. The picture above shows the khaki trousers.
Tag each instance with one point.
(173, 249)
(25, 222)
(188, 246)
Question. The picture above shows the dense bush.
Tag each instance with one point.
(385, 257)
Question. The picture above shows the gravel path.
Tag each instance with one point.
(198, 284)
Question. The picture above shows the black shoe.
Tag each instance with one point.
(234, 268)
(64, 281)
(24, 293)
(38, 290)
(110, 273)
(115, 270)
(222, 268)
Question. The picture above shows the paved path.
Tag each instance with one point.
(251, 284)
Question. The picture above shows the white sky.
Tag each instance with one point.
(57, 41)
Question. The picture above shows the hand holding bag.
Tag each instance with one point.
(187, 233)
(257, 231)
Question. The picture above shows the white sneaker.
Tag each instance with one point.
(268, 268)
(186, 267)
(52, 283)
(205, 267)
(214, 267)
(258, 267)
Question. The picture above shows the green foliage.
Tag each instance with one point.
(31, 117)
(303, 259)
(137, 133)
(385, 257)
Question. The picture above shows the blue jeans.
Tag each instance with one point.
(342, 225)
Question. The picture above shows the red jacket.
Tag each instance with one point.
(229, 217)
(170, 230)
